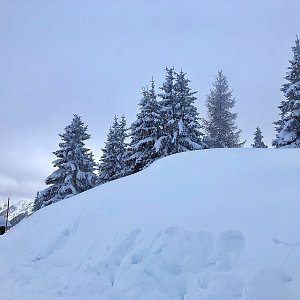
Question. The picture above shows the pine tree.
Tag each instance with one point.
(179, 116)
(112, 162)
(144, 133)
(75, 173)
(187, 129)
(220, 127)
(164, 144)
(258, 139)
(288, 127)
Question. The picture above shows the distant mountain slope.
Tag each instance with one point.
(18, 212)
(218, 224)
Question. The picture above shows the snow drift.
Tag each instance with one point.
(210, 225)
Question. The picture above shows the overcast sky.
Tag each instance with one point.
(92, 58)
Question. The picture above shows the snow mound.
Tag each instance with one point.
(209, 225)
(179, 264)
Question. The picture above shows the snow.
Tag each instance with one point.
(158, 143)
(144, 141)
(218, 224)
(180, 126)
(292, 87)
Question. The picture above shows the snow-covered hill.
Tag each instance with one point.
(210, 225)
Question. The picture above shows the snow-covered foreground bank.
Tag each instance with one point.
(208, 225)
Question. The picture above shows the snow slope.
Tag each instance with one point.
(217, 224)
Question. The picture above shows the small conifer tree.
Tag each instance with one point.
(258, 139)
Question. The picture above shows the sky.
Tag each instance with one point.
(92, 58)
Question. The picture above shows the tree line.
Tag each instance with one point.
(167, 123)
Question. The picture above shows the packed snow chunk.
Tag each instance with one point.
(230, 246)
(176, 263)
(186, 251)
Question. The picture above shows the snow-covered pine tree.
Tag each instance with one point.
(258, 139)
(106, 167)
(164, 145)
(288, 127)
(144, 133)
(187, 129)
(222, 132)
(75, 163)
(112, 162)
(179, 117)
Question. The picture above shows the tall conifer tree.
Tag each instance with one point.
(75, 164)
(179, 116)
(112, 162)
(288, 127)
(220, 126)
(144, 132)
(164, 144)
(187, 133)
